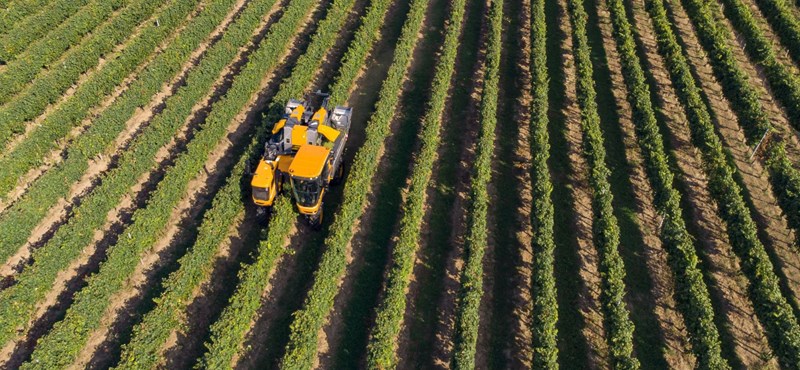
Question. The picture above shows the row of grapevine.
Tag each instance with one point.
(544, 316)
(143, 351)
(18, 11)
(70, 239)
(785, 85)
(49, 86)
(43, 52)
(17, 223)
(389, 314)
(771, 306)
(605, 230)
(471, 291)
(302, 347)
(785, 24)
(38, 25)
(63, 343)
(228, 333)
(713, 34)
(691, 291)
(32, 151)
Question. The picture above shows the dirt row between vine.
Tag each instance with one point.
(59, 214)
(446, 307)
(504, 335)
(742, 334)
(672, 332)
(773, 230)
(589, 294)
(70, 280)
(57, 155)
(415, 342)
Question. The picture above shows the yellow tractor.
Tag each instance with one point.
(306, 150)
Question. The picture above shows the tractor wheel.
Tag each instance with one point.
(339, 177)
(316, 222)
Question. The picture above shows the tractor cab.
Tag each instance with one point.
(310, 176)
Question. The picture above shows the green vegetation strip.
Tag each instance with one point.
(68, 336)
(143, 351)
(785, 85)
(544, 315)
(17, 222)
(49, 87)
(70, 239)
(468, 316)
(784, 23)
(44, 51)
(36, 26)
(389, 316)
(770, 305)
(229, 331)
(302, 347)
(17, 12)
(691, 291)
(605, 230)
(33, 150)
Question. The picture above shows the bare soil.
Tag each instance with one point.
(742, 334)
(589, 294)
(671, 328)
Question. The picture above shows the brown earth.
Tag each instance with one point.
(673, 333)
(740, 328)
(589, 295)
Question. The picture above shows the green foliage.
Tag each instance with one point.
(36, 26)
(771, 306)
(691, 291)
(784, 23)
(545, 305)
(32, 152)
(50, 85)
(605, 230)
(389, 316)
(70, 239)
(307, 322)
(45, 51)
(12, 15)
(228, 333)
(17, 222)
(467, 316)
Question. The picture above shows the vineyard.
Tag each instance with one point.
(575, 184)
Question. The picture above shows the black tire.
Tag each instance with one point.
(316, 222)
(339, 177)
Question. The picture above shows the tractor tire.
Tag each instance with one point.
(339, 177)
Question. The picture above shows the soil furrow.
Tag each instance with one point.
(588, 295)
(430, 269)
(504, 338)
(744, 342)
(344, 338)
(665, 343)
(773, 230)
(60, 212)
(70, 280)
